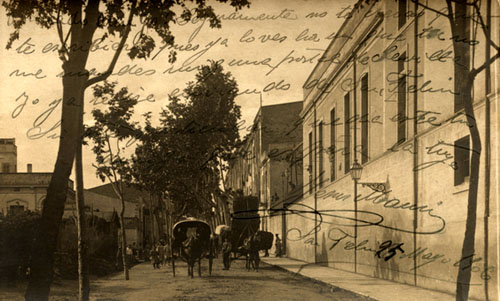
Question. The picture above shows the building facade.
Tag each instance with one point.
(260, 167)
(383, 97)
(27, 191)
(20, 191)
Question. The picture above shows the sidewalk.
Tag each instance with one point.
(374, 288)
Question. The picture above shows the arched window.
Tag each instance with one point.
(16, 206)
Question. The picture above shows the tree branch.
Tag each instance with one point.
(430, 8)
(451, 16)
(476, 71)
(63, 50)
(111, 157)
(107, 73)
(114, 187)
(484, 27)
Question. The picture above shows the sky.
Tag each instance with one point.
(270, 59)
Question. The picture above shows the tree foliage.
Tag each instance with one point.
(76, 23)
(111, 127)
(156, 16)
(184, 155)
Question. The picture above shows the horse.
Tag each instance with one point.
(251, 247)
(192, 251)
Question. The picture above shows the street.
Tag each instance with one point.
(145, 283)
(236, 284)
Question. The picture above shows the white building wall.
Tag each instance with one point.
(424, 212)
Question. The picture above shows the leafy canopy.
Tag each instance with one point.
(183, 157)
(155, 16)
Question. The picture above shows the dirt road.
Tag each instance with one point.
(268, 283)
(236, 284)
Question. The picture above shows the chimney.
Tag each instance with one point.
(30, 168)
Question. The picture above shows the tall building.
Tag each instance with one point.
(260, 167)
(381, 107)
(8, 155)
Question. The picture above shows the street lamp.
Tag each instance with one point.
(356, 171)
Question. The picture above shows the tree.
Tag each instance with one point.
(459, 14)
(184, 155)
(110, 128)
(83, 259)
(85, 19)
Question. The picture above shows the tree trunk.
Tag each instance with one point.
(42, 254)
(83, 256)
(159, 221)
(151, 217)
(468, 246)
(123, 239)
(42, 259)
(464, 82)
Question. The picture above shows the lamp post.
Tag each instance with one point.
(356, 171)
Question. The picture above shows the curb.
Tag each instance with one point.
(333, 287)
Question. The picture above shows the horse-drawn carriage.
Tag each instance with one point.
(191, 241)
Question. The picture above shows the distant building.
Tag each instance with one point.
(107, 207)
(261, 167)
(27, 191)
(20, 191)
(8, 155)
(144, 220)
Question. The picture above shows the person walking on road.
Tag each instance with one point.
(155, 256)
(226, 253)
(278, 246)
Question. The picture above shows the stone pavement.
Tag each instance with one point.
(374, 288)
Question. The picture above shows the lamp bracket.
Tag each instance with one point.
(378, 187)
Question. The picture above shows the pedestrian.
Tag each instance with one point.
(155, 258)
(168, 253)
(134, 252)
(278, 246)
(129, 255)
(226, 253)
(146, 252)
(161, 252)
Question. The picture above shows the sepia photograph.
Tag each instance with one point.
(249, 150)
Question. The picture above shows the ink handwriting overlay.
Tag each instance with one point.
(412, 230)
(270, 49)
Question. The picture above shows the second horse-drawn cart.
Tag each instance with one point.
(192, 241)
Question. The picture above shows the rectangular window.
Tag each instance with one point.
(462, 160)
(401, 120)
(364, 119)
(310, 166)
(401, 13)
(332, 151)
(320, 151)
(347, 134)
(5, 167)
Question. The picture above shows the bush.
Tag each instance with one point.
(19, 231)
(17, 234)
